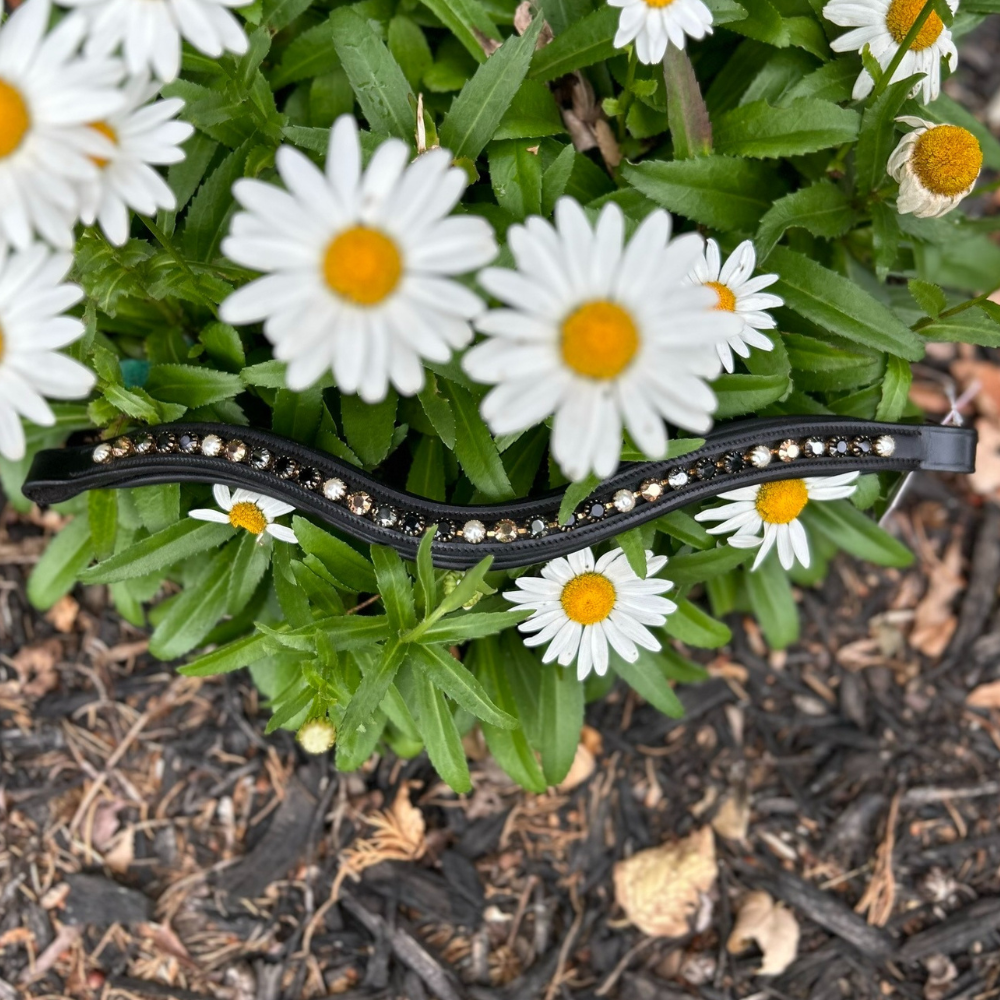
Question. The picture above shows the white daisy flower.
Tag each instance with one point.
(251, 511)
(47, 95)
(600, 334)
(33, 299)
(653, 24)
(150, 31)
(739, 293)
(361, 264)
(936, 166)
(775, 508)
(142, 134)
(883, 25)
(581, 606)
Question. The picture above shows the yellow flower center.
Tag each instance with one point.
(14, 118)
(1, 345)
(899, 19)
(109, 133)
(947, 159)
(659, 3)
(317, 735)
(781, 502)
(727, 301)
(588, 598)
(249, 516)
(362, 265)
(599, 339)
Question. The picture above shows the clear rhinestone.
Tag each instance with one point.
(624, 501)
(651, 490)
(885, 445)
(260, 458)
(334, 489)
(677, 478)
(121, 447)
(789, 450)
(838, 447)
(102, 453)
(144, 444)
(474, 531)
(236, 451)
(815, 447)
(760, 456)
(188, 444)
(505, 531)
(385, 516)
(211, 445)
(359, 503)
(538, 528)
(861, 446)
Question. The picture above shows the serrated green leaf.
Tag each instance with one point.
(369, 426)
(647, 678)
(560, 713)
(854, 532)
(877, 136)
(394, 586)
(690, 129)
(583, 43)
(102, 516)
(346, 564)
(192, 385)
(232, 656)
(61, 564)
(772, 602)
(468, 21)
(475, 448)
(971, 326)
(437, 727)
(821, 209)
(456, 681)
(928, 296)
(696, 628)
(805, 125)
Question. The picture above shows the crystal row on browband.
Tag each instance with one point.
(362, 504)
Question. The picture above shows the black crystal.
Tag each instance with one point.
(311, 479)
(597, 511)
(413, 524)
(446, 531)
(285, 468)
(166, 442)
(861, 446)
(733, 462)
(705, 469)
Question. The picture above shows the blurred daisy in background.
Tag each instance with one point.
(582, 606)
(936, 166)
(47, 96)
(653, 24)
(883, 26)
(738, 292)
(33, 299)
(142, 134)
(361, 264)
(601, 334)
(768, 515)
(150, 31)
(252, 512)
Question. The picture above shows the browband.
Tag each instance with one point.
(517, 533)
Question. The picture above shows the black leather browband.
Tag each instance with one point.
(517, 533)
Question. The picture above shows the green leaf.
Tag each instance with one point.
(466, 20)
(723, 192)
(427, 589)
(456, 681)
(102, 515)
(738, 394)
(438, 411)
(223, 345)
(369, 695)
(376, 79)
(471, 584)
(191, 385)
(855, 532)
(682, 526)
(583, 43)
(885, 237)
(208, 215)
(575, 494)
(193, 614)
(560, 711)
(877, 137)
(248, 569)
(830, 363)
(692, 625)
(307, 55)
(230, 657)
(763, 22)
(340, 632)
(806, 125)
(426, 475)
(484, 100)
(471, 625)
(61, 564)
(895, 390)
(928, 296)
(180, 541)
(839, 305)
(971, 326)
(646, 676)
(516, 177)
(690, 129)
(476, 449)
(437, 727)
(344, 563)
(771, 599)
(697, 567)
(821, 209)
(394, 586)
(409, 48)
(369, 426)
(292, 704)
(633, 545)
(533, 113)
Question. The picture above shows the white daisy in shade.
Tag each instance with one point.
(142, 134)
(768, 515)
(47, 95)
(250, 511)
(361, 264)
(33, 299)
(580, 607)
(738, 292)
(653, 24)
(883, 25)
(150, 31)
(936, 166)
(600, 334)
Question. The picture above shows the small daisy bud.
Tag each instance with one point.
(317, 736)
(450, 581)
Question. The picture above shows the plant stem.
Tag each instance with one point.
(903, 48)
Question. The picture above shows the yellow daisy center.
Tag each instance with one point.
(781, 502)
(249, 516)
(899, 19)
(109, 133)
(588, 598)
(659, 3)
(1, 345)
(947, 159)
(14, 118)
(727, 301)
(599, 339)
(362, 265)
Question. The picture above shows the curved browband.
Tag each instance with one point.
(517, 533)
